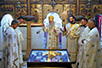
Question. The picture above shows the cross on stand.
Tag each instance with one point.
(28, 18)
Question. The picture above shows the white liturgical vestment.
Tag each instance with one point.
(52, 37)
(19, 39)
(10, 49)
(80, 54)
(92, 50)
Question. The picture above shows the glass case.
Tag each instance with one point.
(49, 58)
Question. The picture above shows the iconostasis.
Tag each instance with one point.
(40, 8)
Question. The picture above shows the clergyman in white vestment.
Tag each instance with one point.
(72, 34)
(10, 51)
(53, 34)
(81, 46)
(5, 22)
(19, 39)
(92, 47)
(83, 33)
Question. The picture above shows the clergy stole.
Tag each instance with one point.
(52, 39)
(80, 53)
(72, 39)
(92, 50)
(10, 52)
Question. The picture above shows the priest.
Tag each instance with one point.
(5, 22)
(81, 46)
(10, 50)
(72, 34)
(83, 24)
(84, 30)
(19, 40)
(92, 47)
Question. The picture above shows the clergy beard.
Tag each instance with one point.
(72, 22)
(50, 25)
(82, 26)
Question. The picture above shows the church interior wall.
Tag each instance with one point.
(37, 40)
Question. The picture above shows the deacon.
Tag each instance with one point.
(72, 34)
(52, 34)
(92, 47)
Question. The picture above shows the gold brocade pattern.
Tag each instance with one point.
(73, 31)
